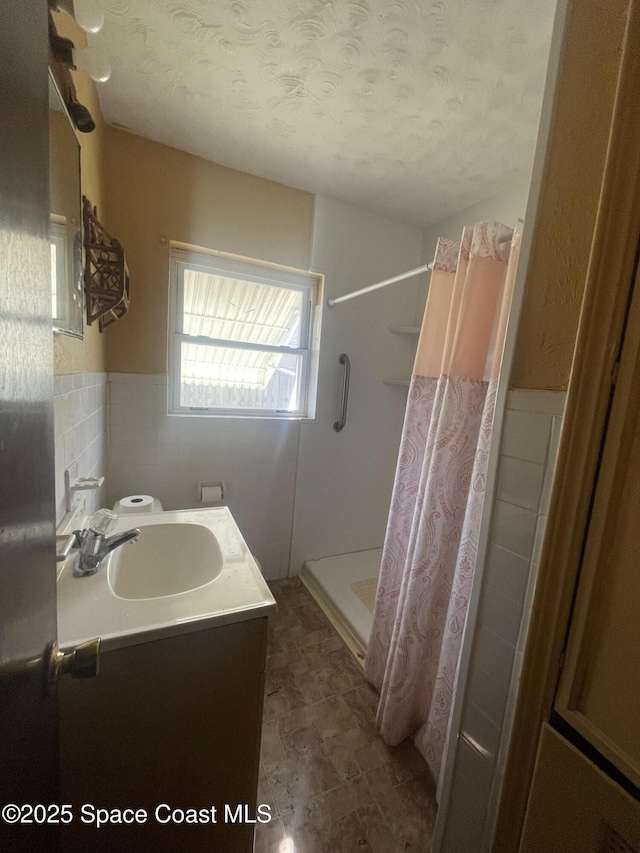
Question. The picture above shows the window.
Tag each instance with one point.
(240, 337)
(59, 278)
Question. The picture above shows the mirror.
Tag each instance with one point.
(65, 221)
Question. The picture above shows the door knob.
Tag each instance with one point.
(83, 661)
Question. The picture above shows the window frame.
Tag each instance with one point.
(248, 270)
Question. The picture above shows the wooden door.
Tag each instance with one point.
(28, 711)
(586, 785)
(599, 690)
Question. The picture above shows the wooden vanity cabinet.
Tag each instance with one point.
(175, 721)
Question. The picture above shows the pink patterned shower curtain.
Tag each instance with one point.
(434, 522)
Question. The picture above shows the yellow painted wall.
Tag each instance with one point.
(157, 194)
(70, 354)
(571, 188)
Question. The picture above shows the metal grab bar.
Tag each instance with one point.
(339, 424)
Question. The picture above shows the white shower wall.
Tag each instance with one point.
(344, 480)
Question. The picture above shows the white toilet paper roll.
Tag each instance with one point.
(134, 503)
(211, 494)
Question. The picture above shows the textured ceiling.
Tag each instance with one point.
(414, 108)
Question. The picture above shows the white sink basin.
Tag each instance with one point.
(167, 559)
(190, 570)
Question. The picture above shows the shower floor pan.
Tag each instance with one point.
(344, 587)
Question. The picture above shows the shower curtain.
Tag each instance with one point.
(434, 522)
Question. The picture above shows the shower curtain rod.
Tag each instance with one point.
(333, 301)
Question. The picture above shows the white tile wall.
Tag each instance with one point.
(489, 693)
(166, 456)
(527, 461)
(79, 429)
(520, 483)
(514, 528)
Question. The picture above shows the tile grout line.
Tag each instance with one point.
(378, 804)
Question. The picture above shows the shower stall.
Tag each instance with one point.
(345, 587)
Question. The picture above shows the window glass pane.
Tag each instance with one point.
(58, 276)
(228, 378)
(216, 306)
(54, 279)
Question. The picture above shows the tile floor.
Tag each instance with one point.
(334, 785)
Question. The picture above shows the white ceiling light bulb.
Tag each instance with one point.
(93, 62)
(89, 15)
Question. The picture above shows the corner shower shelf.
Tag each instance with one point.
(402, 330)
(405, 330)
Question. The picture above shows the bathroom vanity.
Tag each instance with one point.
(173, 718)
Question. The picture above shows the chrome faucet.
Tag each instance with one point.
(94, 545)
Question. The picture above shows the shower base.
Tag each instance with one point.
(344, 587)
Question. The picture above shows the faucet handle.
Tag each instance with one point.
(78, 537)
(103, 522)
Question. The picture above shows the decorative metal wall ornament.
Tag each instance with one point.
(106, 276)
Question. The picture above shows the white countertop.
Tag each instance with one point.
(87, 608)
